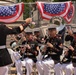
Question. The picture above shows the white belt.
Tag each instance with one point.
(28, 54)
(2, 47)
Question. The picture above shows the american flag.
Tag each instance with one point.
(70, 13)
(11, 13)
(62, 9)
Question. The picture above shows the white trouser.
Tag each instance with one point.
(61, 68)
(74, 70)
(19, 64)
(45, 66)
(27, 62)
(29, 65)
(4, 70)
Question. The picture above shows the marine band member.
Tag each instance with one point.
(66, 64)
(72, 38)
(53, 44)
(32, 51)
(29, 56)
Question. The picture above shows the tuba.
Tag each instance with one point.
(57, 20)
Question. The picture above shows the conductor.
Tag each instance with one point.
(5, 58)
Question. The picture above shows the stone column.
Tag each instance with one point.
(74, 18)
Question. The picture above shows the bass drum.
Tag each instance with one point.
(14, 55)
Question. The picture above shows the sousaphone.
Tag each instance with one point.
(57, 20)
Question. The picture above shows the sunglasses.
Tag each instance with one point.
(21, 47)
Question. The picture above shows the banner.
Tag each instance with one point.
(62, 9)
(11, 13)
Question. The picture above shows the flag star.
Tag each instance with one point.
(3, 15)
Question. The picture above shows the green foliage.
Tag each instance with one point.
(26, 11)
(56, 0)
(27, 8)
(27, 0)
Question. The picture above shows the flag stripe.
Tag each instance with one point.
(70, 18)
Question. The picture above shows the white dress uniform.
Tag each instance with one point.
(27, 63)
(60, 69)
(19, 64)
(28, 60)
(66, 66)
(45, 66)
(23, 62)
(15, 56)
